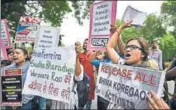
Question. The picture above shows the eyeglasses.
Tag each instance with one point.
(132, 47)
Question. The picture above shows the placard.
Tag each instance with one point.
(47, 37)
(126, 86)
(3, 52)
(102, 15)
(51, 72)
(137, 16)
(11, 83)
(5, 35)
(27, 29)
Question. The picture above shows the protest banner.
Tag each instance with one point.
(102, 15)
(11, 84)
(50, 74)
(3, 52)
(47, 37)
(128, 86)
(5, 36)
(137, 16)
(27, 29)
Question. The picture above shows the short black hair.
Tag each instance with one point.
(85, 39)
(9, 51)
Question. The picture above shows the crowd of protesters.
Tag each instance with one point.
(134, 53)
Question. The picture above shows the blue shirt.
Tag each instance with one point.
(97, 62)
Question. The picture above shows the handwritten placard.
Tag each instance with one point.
(102, 15)
(127, 86)
(50, 74)
(47, 37)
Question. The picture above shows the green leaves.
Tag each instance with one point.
(168, 46)
(51, 11)
(54, 11)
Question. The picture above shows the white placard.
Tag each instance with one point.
(126, 86)
(50, 74)
(138, 17)
(101, 20)
(47, 37)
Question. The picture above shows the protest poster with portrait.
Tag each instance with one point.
(27, 29)
(11, 84)
(126, 86)
(102, 15)
(51, 72)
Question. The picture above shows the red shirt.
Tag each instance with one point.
(85, 59)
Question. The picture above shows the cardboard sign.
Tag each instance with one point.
(11, 84)
(27, 29)
(102, 15)
(47, 37)
(126, 86)
(51, 72)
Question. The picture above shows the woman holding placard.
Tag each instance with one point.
(135, 52)
(21, 61)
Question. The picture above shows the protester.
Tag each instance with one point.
(154, 102)
(156, 54)
(135, 53)
(81, 80)
(136, 50)
(5, 63)
(85, 59)
(10, 53)
(21, 61)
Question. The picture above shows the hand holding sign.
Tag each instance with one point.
(113, 28)
(126, 25)
(156, 103)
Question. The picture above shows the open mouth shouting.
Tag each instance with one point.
(127, 56)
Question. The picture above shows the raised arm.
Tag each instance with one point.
(120, 43)
(113, 41)
(78, 69)
(77, 66)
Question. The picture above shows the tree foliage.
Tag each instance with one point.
(153, 28)
(168, 46)
(168, 11)
(52, 11)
